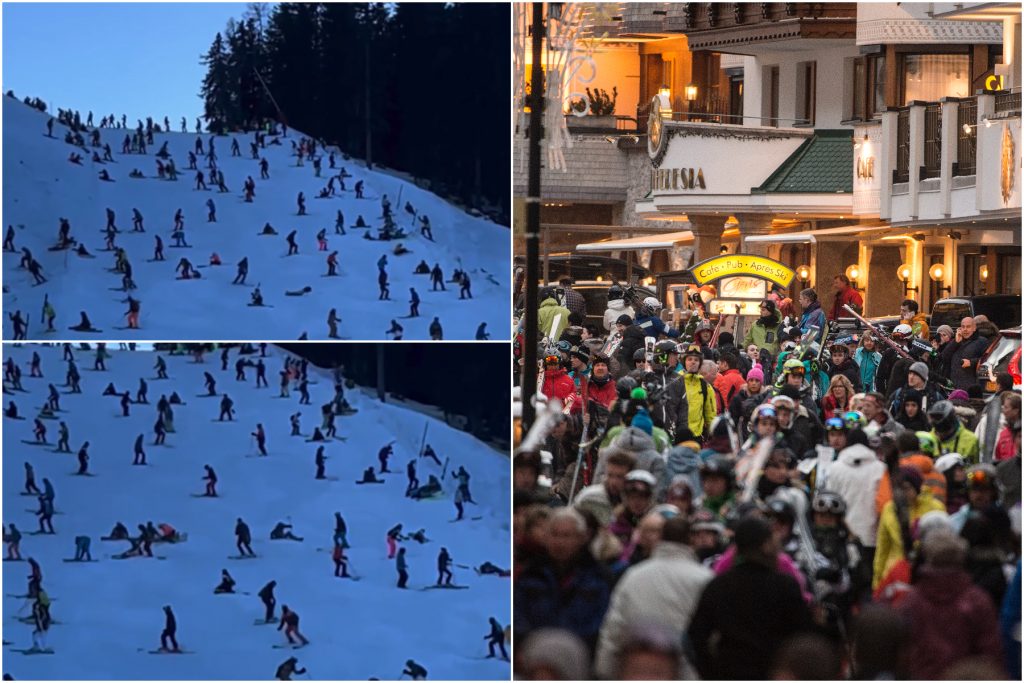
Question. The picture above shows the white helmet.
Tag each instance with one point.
(948, 461)
(652, 303)
(903, 330)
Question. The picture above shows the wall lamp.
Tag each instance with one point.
(853, 272)
(804, 274)
(937, 272)
(903, 273)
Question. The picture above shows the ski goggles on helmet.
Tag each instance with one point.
(552, 359)
(980, 478)
(765, 411)
(853, 418)
(827, 504)
(835, 424)
(563, 346)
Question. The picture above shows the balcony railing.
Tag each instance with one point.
(932, 141)
(1007, 102)
(966, 137)
(901, 173)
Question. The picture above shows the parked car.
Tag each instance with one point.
(595, 293)
(1002, 309)
(997, 359)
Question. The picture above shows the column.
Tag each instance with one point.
(751, 224)
(707, 235)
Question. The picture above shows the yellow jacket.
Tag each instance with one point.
(699, 417)
(889, 547)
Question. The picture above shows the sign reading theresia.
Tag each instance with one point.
(677, 179)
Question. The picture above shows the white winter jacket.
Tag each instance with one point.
(616, 307)
(662, 590)
(855, 475)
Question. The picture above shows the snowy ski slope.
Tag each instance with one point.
(41, 186)
(110, 611)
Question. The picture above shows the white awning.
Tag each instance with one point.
(665, 240)
(812, 236)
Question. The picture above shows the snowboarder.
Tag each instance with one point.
(83, 459)
(293, 248)
(294, 420)
(358, 189)
(211, 482)
(240, 370)
(39, 431)
(383, 455)
(339, 227)
(382, 282)
(393, 537)
(243, 539)
(9, 237)
(425, 228)
(141, 394)
(110, 220)
(444, 561)
(410, 472)
(403, 568)
(226, 585)
(481, 332)
(261, 373)
(289, 667)
(266, 594)
(20, 326)
(282, 531)
(464, 292)
(436, 333)
(261, 439)
(211, 208)
(137, 221)
(211, 384)
(226, 408)
(437, 278)
(45, 514)
(290, 624)
(321, 240)
(126, 400)
(243, 271)
(264, 169)
(170, 629)
(160, 433)
(158, 250)
(301, 201)
(332, 264)
(235, 151)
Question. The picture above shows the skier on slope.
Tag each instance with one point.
(83, 459)
(210, 383)
(290, 624)
(63, 437)
(266, 595)
(211, 482)
(340, 561)
(294, 420)
(444, 562)
(289, 667)
(261, 439)
(383, 455)
(293, 247)
(140, 454)
(332, 324)
(301, 201)
(394, 535)
(382, 282)
(226, 408)
(243, 539)
(340, 530)
(211, 208)
(437, 278)
(30, 479)
(320, 461)
(496, 637)
(395, 329)
(436, 332)
(170, 629)
(414, 303)
(332, 263)
(414, 670)
(403, 568)
(410, 473)
(227, 583)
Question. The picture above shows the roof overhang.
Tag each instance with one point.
(660, 241)
(825, 234)
(983, 11)
(816, 205)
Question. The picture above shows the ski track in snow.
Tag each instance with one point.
(111, 609)
(41, 186)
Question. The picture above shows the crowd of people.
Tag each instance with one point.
(796, 500)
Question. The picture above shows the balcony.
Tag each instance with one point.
(953, 159)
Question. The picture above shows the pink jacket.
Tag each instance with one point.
(785, 566)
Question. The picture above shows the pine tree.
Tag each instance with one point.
(217, 91)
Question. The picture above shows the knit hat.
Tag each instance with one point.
(756, 373)
(958, 395)
(944, 329)
(912, 476)
(919, 369)
(556, 649)
(913, 396)
(581, 353)
(726, 338)
(624, 320)
(770, 305)
(643, 421)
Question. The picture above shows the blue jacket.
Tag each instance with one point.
(813, 317)
(868, 362)
(575, 602)
(652, 326)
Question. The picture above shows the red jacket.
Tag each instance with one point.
(729, 384)
(950, 619)
(848, 295)
(558, 384)
(602, 394)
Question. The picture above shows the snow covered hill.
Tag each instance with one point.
(41, 186)
(109, 612)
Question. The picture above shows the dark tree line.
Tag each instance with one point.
(458, 378)
(439, 78)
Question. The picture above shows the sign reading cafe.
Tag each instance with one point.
(732, 265)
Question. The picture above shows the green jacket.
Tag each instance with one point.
(765, 336)
(699, 420)
(549, 308)
(660, 436)
(963, 442)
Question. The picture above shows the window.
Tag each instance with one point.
(868, 86)
(736, 99)
(930, 77)
(805, 92)
(773, 96)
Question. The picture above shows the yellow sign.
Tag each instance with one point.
(993, 83)
(742, 264)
